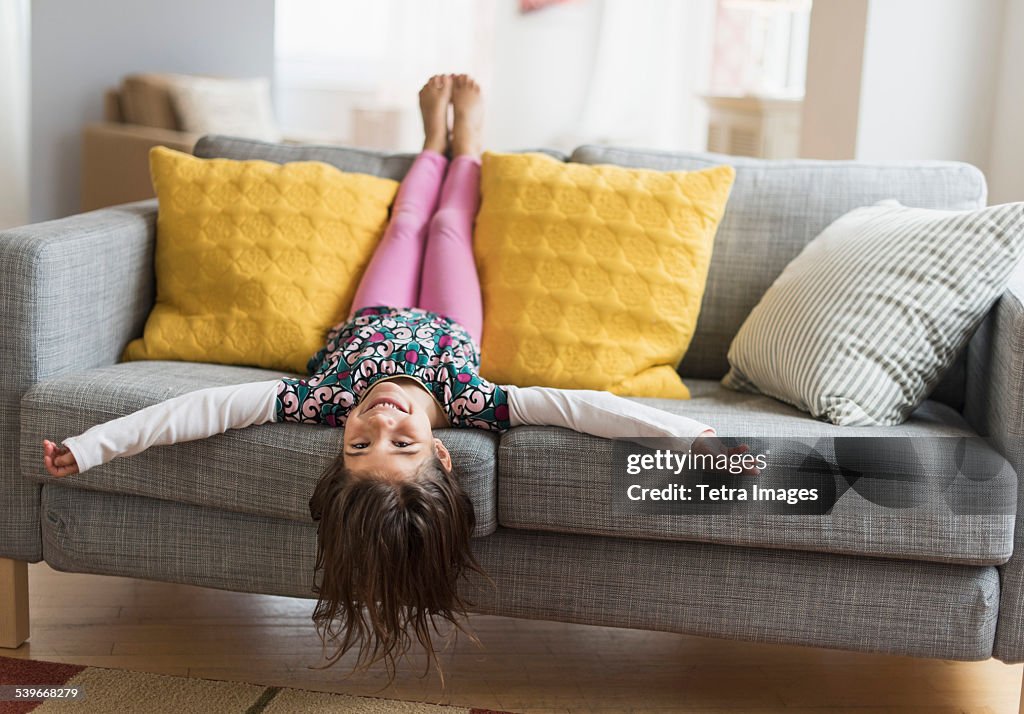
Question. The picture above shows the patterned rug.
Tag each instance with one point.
(116, 691)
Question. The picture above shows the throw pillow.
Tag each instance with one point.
(256, 261)
(238, 107)
(864, 321)
(592, 276)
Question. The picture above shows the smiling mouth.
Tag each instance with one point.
(385, 403)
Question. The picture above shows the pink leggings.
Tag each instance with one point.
(425, 258)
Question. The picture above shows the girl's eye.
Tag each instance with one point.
(401, 444)
(361, 445)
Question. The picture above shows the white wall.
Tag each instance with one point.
(79, 49)
(919, 79)
(1006, 158)
(835, 58)
(928, 84)
(14, 75)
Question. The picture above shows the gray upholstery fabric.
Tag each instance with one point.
(995, 407)
(75, 290)
(268, 470)
(134, 536)
(560, 480)
(867, 604)
(366, 161)
(775, 209)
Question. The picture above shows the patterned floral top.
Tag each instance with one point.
(381, 343)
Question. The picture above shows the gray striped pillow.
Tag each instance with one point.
(861, 325)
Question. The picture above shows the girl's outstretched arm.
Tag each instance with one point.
(599, 413)
(611, 417)
(191, 416)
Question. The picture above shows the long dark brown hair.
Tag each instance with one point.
(392, 552)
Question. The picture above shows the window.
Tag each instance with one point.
(761, 47)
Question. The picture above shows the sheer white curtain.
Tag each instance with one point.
(585, 71)
(14, 18)
(436, 37)
(652, 60)
(339, 60)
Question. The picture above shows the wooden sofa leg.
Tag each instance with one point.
(13, 602)
(1021, 710)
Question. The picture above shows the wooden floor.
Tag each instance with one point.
(526, 666)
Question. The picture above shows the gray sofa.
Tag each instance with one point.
(232, 511)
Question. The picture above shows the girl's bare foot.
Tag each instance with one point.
(468, 124)
(434, 98)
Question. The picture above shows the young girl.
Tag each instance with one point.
(394, 528)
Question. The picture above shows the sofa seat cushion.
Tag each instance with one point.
(555, 479)
(266, 470)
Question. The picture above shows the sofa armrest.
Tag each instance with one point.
(994, 406)
(995, 372)
(75, 291)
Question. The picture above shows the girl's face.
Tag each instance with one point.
(389, 432)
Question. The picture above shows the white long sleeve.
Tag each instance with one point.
(598, 413)
(195, 415)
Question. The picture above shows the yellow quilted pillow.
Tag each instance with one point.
(592, 276)
(256, 261)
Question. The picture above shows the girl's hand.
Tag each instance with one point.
(59, 460)
(713, 446)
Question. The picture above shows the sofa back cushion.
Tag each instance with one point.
(776, 208)
(365, 161)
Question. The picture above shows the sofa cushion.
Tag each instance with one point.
(240, 107)
(267, 470)
(560, 480)
(367, 161)
(775, 209)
